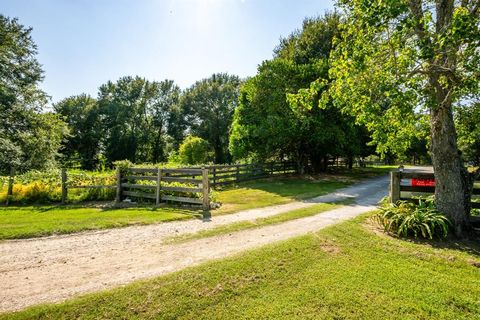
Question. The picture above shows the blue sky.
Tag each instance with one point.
(84, 43)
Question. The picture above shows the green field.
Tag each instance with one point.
(274, 191)
(347, 271)
(262, 193)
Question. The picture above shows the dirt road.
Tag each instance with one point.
(56, 268)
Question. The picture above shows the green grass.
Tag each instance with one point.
(345, 271)
(260, 222)
(262, 193)
(35, 221)
(274, 191)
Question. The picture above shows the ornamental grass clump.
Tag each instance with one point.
(418, 220)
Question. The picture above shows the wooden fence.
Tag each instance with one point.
(66, 185)
(399, 183)
(164, 185)
(180, 185)
(227, 174)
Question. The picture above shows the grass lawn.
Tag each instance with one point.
(347, 271)
(260, 222)
(268, 192)
(35, 221)
(274, 191)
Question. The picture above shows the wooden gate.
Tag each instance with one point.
(188, 186)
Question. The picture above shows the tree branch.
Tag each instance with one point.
(417, 12)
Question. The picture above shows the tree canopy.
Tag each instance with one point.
(208, 107)
(401, 67)
(138, 118)
(29, 138)
(272, 122)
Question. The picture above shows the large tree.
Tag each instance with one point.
(401, 62)
(208, 107)
(29, 139)
(272, 122)
(140, 119)
(83, 118)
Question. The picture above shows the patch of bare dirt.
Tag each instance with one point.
(330, 248)
(474, 263)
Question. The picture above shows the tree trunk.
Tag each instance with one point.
(325, 163)
(316, 162)
(452, 195)
(350, 162)
(452, 190)
(300, 161)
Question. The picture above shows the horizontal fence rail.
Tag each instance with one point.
(66, 185)
(176, 185)
(190, 186)
(417, 183)
(227, 174)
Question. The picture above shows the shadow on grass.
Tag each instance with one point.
(470, 245)
(109, 206)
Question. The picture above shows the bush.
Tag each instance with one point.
(419, 220)
(123, 164)
(45, 187)
(194, 150)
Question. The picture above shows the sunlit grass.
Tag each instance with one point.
(257, 194)
(35, 221)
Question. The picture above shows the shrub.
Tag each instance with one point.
(123, 164)
(420, 220)
(45, 187)
(193, 150)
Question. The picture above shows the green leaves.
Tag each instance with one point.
(194, 150)
(286, 111)
(468, 128)
(140, 119)
(208, 108)
(29, 138)
(408, 219)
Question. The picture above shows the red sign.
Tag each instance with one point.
(423, 182)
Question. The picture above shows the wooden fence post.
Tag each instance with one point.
(64, 186)
(206, 189)
(214, 176)
(395, 177)
(10, 185)
(159, 181)
(237, 173)
(118, 198)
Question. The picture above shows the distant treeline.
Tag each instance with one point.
(146, 121)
